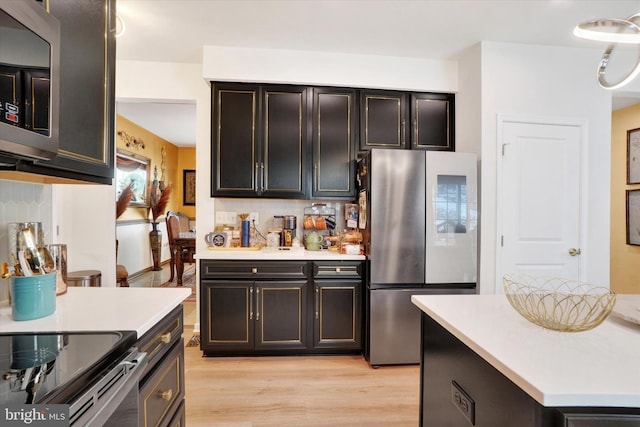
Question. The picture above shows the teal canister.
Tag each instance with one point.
(33, 297)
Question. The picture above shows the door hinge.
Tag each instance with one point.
(502, 241)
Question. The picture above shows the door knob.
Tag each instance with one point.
(574, 251)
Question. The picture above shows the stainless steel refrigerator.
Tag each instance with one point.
(419, 210)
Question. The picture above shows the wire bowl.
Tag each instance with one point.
(558, 304)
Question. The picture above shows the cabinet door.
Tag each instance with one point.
(333, 143)
(235, 156)
(87, 70)
(383, 119)
(432, 121)
(281, 315)
(283, 168)
(227, 315)
(338, 314)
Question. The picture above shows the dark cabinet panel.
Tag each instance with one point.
(281, 315)
(87, 91)
(383, 119)
(338, 314)
(338, 320)
(234, 155)
(333, 143)
(285, 142)
(259, 141)
(432, 119)
(227, 315)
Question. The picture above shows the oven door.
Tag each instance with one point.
(113, 399)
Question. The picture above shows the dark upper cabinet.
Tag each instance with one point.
(259, 141)
(423, 121)
(432, 121)
(87, 94)
(334, 133)
(235, 139)
(384, 119)
(285, 135)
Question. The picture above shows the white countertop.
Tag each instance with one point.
(599, 367)
(275, 254)
(102, 309)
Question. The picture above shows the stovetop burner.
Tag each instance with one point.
(54, 367)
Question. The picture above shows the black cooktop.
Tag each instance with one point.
(55, 367)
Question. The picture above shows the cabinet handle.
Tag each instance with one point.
(402, 135)
(257, 185)
(257, 304)
(317, 309)
(165, 338)
(166, 395)
(337, 269)
(261, 176)
(315, 175)
(415, 133)
(254, 270)
(251, 303)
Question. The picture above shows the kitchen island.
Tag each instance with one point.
(485, 365)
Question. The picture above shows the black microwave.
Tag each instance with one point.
(29, 80)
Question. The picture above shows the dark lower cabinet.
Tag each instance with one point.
(161, 390)
(277, 312)
(338, 317)
(252, 316)
(459, 389)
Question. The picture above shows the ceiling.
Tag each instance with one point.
(176, 30)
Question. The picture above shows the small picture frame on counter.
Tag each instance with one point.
(351, 215)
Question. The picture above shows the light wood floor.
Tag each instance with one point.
(304, 391)
(298, 391)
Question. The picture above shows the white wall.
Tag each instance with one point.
(84, 219)
(547, 82)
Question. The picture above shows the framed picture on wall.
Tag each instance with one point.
(633, 217)
(189, 187)
(633, 156)
(132, 168)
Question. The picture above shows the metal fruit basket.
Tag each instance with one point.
(558, 304)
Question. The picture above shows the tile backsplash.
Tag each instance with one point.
(23, 202)
(268, 208)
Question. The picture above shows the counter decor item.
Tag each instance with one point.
(33, 297)
(558, 304)
(244, 230)
(158, 201)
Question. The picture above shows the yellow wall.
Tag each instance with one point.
(625, 259)
(176, 159)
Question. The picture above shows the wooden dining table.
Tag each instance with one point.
(186, 240)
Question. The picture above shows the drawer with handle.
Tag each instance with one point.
(161, 337)
(333, 269)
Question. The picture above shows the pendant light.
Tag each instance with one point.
(612, 31)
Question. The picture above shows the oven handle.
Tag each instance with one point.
(103, 399)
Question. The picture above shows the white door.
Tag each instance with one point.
(539, 204)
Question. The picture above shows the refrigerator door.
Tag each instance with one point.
(394, 324)
(451, 218)
(396, 195)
